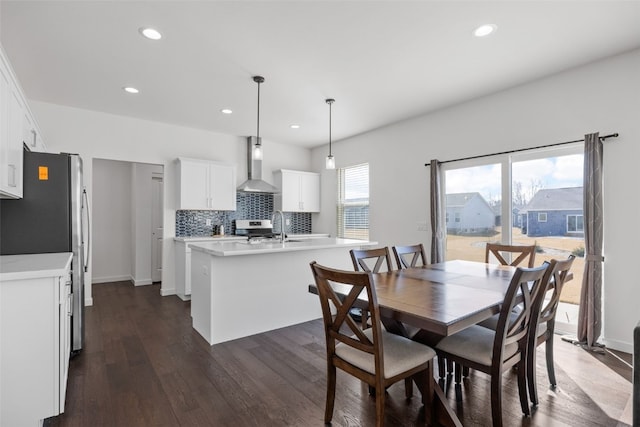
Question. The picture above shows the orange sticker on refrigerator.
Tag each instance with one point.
(43, 173)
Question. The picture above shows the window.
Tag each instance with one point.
(575, 224)
(528, 194)
(456, 216)
(353, 202)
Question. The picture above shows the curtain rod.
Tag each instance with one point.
(613, 135)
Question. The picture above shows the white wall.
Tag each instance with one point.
(111, 223)
(96, 135)
(603, 96)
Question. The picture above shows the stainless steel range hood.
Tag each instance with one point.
(255, 184)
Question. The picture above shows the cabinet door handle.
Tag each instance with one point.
(33, 132)
(12, 176)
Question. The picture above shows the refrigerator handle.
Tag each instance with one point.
(87, 245)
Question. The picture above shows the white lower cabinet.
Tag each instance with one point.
(35, 344)
(183, 262)
(183, 271)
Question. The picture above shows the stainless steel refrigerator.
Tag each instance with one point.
(52, 216)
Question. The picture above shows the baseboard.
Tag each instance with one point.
(141, 282)
(110, 279)
(618, 345)
(167, 292)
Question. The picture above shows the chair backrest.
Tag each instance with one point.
(548, 300)
(513, 330)
(524, 252)
(341, 327)
(371, 260)
(416, 253)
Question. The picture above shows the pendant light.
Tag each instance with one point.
(331, 161)
(257, 148)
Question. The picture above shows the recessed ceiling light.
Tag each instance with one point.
(150, 33)
(130, 89)
(295, 126)
(226, 111)
(485, 30)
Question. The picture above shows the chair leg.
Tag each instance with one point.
(427, 379)
(441, 367)
(331, 393)
(496, 399)
(380, 398)
(458, 372)
(522, 386)
(465, 371)
(408, 388)
(549, 354)
(531, 374)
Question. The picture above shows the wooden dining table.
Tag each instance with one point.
(439, 300)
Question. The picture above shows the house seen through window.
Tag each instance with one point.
(353, 202)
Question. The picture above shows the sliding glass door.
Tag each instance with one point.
(526, 198)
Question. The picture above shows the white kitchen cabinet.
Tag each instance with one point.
(11, 116)
(183, 271)
(35, 336)
(183, 261)
(299, 191)
(18, 128)
(31, 133)
(206, 185)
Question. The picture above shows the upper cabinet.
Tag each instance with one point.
(206, 185)
(17, 129)
(11, 112)
(31, 134)
(299, 191)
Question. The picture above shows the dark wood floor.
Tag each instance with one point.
(143, 365)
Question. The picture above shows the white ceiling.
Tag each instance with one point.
(382, 61)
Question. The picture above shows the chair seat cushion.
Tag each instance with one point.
(492, 323)
(474, 343)
(400, 354)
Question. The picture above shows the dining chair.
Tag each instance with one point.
(373, 355)
(523, 252)
(495, 352)
(374, 261)
(369, 260)
(543, 328)
(416, 253)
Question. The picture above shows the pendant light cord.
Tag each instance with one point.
(258, 79)
(258, 121)
(330, 101)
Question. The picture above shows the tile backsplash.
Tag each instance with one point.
(248, 206)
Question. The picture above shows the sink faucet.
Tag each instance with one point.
(273, 218)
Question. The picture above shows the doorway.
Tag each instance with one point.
(127, 222)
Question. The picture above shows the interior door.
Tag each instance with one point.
(156, 227)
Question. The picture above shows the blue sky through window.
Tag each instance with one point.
(550, 172)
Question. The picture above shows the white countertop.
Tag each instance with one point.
(18, 267)
(232, 237)
(225, 238)
(244, 248)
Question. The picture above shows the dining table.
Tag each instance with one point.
(431, 302)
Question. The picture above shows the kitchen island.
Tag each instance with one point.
(240, 289)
